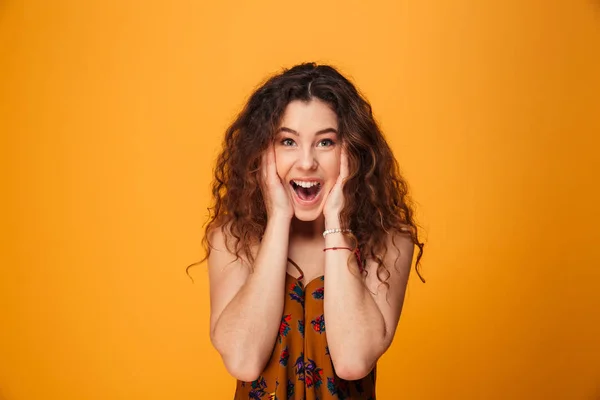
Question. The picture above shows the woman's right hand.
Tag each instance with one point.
(277, 200)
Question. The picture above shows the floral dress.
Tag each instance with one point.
(300, 367)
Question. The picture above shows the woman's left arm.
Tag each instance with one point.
(361, 314)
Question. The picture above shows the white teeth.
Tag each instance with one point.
(306, 184)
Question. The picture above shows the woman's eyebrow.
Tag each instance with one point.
(321, 132)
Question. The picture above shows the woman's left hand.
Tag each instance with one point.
(334, 200)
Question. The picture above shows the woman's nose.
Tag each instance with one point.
(308, 160)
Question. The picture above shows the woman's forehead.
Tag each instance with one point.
(308, 118)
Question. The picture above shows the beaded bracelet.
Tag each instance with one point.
(336, 230)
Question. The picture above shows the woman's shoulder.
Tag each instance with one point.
(223, 240)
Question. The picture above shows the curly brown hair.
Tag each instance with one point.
(379, 203)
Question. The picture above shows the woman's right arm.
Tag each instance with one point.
(246, 308)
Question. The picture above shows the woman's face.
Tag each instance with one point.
(307, 155)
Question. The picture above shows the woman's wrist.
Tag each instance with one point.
(280, 221)
(337, 239)
(332, 222)
(280, 216)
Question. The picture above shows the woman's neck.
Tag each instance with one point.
(307, 230)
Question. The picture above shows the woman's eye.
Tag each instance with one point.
(287, 142)
(326, 143)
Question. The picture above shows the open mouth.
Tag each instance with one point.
(306, 193)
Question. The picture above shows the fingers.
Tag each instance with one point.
(271, 165)
(344, 170)
(263, 167)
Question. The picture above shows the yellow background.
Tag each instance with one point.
(112, 113)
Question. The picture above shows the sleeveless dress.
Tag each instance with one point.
(300, 367)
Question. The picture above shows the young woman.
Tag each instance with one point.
(309, 243)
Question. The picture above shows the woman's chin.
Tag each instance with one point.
(308, 215)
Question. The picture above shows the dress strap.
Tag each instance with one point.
(298, 268)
